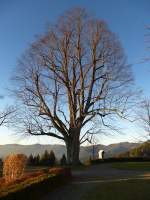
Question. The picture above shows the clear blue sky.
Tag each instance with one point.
(21, 20)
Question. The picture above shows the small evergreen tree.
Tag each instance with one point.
(63, 160)
(1, 162)
(37, 160)
(45, 158)
(31, 160)
(52, 158)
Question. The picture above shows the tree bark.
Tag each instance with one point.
(73, 147)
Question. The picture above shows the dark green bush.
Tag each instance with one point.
(121, 159)
(63, 160)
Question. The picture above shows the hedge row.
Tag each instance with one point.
(35, 187)
(131, 159)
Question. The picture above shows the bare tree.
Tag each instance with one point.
(71, 77)
(144, 116)
(147, 40)
(5, 115)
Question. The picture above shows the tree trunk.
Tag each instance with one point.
(73, 147)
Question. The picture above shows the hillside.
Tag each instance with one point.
(142, 150)
(85, 152)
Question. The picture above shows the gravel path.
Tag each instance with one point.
(85, 180)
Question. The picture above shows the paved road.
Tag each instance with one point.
(85, 180)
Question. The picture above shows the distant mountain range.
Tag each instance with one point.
(85, 151)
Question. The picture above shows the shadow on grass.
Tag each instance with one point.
(132, 166)
(123, 190)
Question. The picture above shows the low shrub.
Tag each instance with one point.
(14, 166)
(33, 185)
(2, 182)
(66, 171)
(130, 159)
(28, 176)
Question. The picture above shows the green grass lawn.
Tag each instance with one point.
(124, 190)
(132, 165)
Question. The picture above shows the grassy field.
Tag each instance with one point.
(132, 165)
(124, 190)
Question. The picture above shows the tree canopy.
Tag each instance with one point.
(71, 77)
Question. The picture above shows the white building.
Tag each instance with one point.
(101, 154)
